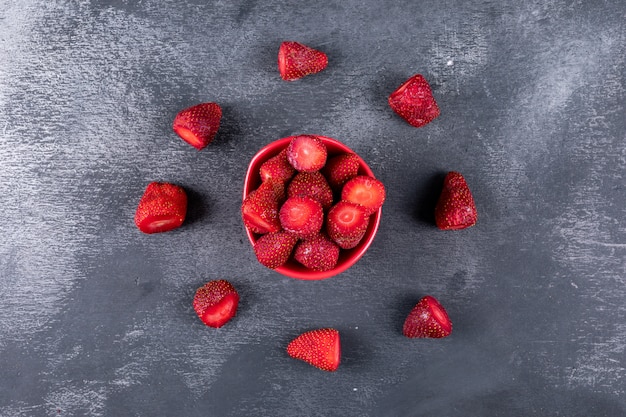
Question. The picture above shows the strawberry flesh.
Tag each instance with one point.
(296, 60)
(414, 101)
(260, 208)
(346, 224)
(365, 191)
(274, 249)
(216, 303)
(455, 208)
(427, 319)
(311, 184)
(320, 348)
(318, 253)
(341, 168)
(197, 125)
(307, 153)
(162, 207)
(302, 216)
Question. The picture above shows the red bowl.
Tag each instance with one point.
(347, 258)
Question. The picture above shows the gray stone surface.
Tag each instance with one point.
(96, 318)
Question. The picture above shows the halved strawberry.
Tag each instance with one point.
(341, 168)
(320, 348)
(216, 302)
(260, 208)
(346, 224)
(162, 207)
(307, 153)
(277, 168)
(296, 60)
(366, 191)
(414, 101)
(301, 216)
(455, 208)
(274, 249)
(197, 125)
(312, 184)
(318, 253)
(427, 319)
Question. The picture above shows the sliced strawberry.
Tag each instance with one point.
(366, 191)
(307, 153)
(427, 319)
(318, 253)
(296, 60)
(274, 249)
(216, 302)
(277, 168)
(260, 208)
(414, 101)
(162, 207)
(302, 216)
(455, 208)
(311, 184)
(341, 168)
(197, 125)
(346, 224)
(320, 348)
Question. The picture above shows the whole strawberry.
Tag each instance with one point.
(197, 125)
(274, 249)
(311, 184)
(318, 253)
(162, 207)
(414, 101)
(296, 60)
(320, 348)
(455, 208)
(427, 319)
(216, 303)
(340, 168)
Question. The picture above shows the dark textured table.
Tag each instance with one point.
(96, 317)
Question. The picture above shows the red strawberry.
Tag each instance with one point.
(366, 191)
(318, 253)
(274, 249)
(307, 153)
(340, 169)
(427, 319)
(216, 302)
(311, 184)
(260, 208)
(301, 216)
(346, 224)
(277, 168)
(320, 348)
(296, 61)
(198, 125)
(414, 101)
(455, 208)
(162, 207)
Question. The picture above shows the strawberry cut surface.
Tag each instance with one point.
(296, 60)
(197, 125)
(346, 224)
(162, 208)
(302, 216)
(320, 348)
(365, 191)
(428, 319)
(259, 209)
(216, 303)
(414, 101)
(307, 153)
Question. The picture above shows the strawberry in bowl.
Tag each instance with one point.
(311, 206)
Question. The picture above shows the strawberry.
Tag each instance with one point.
(365, 191)
(216, 303)
(296, 60)
(277, 168)
(318, 253)
(274, 249)
(341, 168)
(312, 184)
(414, 101)
(455, 208)
(260, 208)
(301, 216)
(307, 153)
(197, 125)
(162, 207)
(346, 224)
(320, 348)
(427, 319)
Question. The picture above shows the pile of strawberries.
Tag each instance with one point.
(308, 207)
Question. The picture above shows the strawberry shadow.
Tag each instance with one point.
(426, 197)
(198, 206)
(402, 309)
(382, 87)
(230, 126)
(354, 349)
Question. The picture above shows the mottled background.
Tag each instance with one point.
(96, 318)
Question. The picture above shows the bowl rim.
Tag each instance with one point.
(350, 256)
